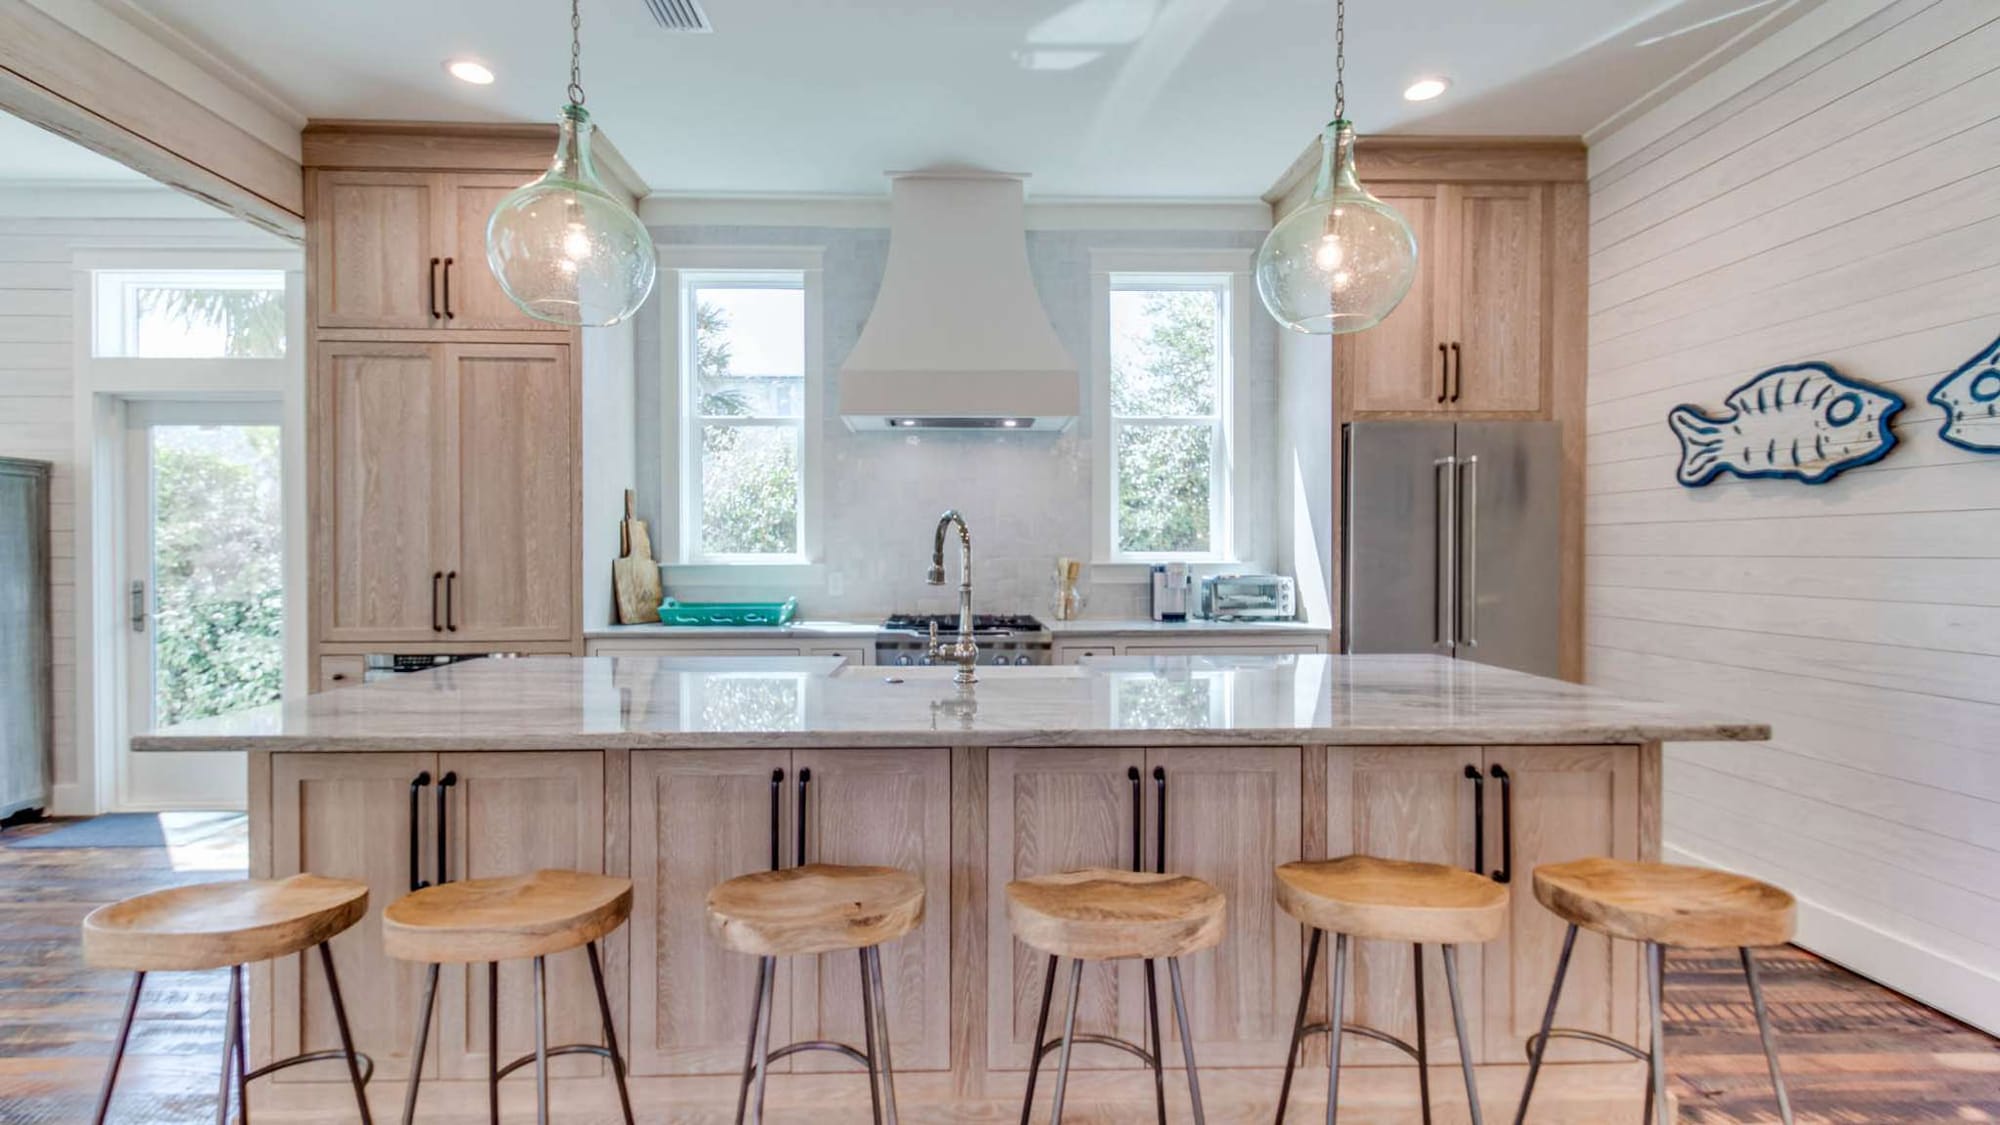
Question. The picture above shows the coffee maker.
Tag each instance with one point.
(1173, 591)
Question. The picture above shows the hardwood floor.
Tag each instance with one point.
(1853, 1051)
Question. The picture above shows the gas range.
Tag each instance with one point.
(1003, 638)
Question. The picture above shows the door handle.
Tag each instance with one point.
(777, 791)
(1138, 818)
(432, 296)
(443, 837)
(417, 785)
(437, 577)
(1478, 780)
(448, 314)
(1444, 374)
(138, 605)
(805, 794)
(1468, 601)
(1506, 780)
(1447, 549)
(1457, 356)
(1160, 820)
(450, 580)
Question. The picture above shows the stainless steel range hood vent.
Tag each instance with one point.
(958, 338)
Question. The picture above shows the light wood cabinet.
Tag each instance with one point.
(407, 250)
(1468, 339)
(447, 492)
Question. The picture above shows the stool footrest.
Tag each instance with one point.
(805, 1045)
(367, 1064)
(1125, 1045)
(1528, 1047)
(567, 1049)
(1365, 1033)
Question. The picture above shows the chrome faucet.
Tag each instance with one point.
(961, 651)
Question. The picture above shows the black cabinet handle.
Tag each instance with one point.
(437, 579)
(1444, 373)
(448, 314)
(432, 296)
(1457, 356)
(417, 784)
(443, 837)
(1160, 820)
(1478, 780)
(450, 580)
(777, 790)
(799, 846)
(1506, 872)
(1138, 818)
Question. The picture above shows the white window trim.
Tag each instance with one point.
(1187, 265)
(680, 464)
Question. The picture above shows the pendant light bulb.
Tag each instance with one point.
(1344, 260)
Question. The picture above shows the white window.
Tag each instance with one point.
(188, 314)
(1166, 361)
(746, 368)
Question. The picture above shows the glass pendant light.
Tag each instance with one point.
(564, 248)
(1344, 260)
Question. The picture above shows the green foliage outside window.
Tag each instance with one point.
(1168, 371)
(252, 321)
(750, 474)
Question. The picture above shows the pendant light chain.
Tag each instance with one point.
(1340, 60)
(576, 53)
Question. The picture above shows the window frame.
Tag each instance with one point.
(1227, 273)
(691, 268)
(120, 287)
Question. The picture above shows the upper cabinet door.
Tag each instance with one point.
(375, 241)
(514, 447)
(382, 522)
(471, 296)
(1498, 249)
(1396, 366)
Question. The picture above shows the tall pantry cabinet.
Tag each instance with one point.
(445, 440)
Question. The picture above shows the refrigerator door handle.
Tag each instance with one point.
(1447, 551)
(1468, 502)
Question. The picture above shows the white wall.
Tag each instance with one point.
(41, 232)
(1833, 195)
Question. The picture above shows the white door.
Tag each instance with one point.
(202, 588)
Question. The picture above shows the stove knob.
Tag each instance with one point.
(926, 661)
(903, 659)
(1023, 660)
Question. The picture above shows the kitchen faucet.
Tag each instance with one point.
(962, 651)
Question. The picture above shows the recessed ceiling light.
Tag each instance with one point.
(466, 70)
(1424, 89)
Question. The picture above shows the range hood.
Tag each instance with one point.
(958, 338)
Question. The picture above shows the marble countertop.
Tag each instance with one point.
(858, 629)
(1146, 627)
(1088, 627)
(724, 702)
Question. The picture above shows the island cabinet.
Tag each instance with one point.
(700, 817)
(1231, 815)
(397, 821)
(1509, 809)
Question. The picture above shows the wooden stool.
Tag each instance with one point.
(805, 911)
(1360, 896)
(1660, 904)
(213, 925)
(495, 920)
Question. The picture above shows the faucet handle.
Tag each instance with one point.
(932, 648)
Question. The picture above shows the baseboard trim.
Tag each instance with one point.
(71, 799)
(1964, 992)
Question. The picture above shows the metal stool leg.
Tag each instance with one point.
(1041, 1036)
(346, 1037)
(541, 1041)
(1187, 1040)
(1298, 1025)
(242, 1046)
(1764, 1034)
(493, 1042)
(882, 1035)
(610, 1031)
(1458, 1025)
(423, 1035)
(1423, 1044)
(767, 979)
(228, 1048)
(868, 1040)
(1068, 1040)
(1541, 1041)
(1334, 1018)
(750, 1049)
(1656, 969)
(118, 1048)
(1156, 1045)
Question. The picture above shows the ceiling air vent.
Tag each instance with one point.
(679, 15)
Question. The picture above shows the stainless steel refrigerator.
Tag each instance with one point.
(1450, 541)
(25, 701)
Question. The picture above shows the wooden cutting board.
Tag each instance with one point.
(635, 575)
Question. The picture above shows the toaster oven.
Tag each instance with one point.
(1248, 597)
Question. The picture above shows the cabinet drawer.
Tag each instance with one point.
(340, 672)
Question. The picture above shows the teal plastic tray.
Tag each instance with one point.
(674, 612)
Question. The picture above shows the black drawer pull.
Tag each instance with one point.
(1478, 780)
(777, 791)
(417, 784)
(1506, 872)
(446, 782)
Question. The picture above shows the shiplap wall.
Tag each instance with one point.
(1842, 204)
(41, 230)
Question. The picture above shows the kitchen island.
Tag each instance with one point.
(682, 773)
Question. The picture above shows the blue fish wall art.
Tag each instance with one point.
(1807, 423)
(1970, 397)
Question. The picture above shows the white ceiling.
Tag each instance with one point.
(37, 156)
(1166, 98)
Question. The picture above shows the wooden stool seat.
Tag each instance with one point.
(1393, 900)
(218, 925)
(815, 908)
(516, 916)
(1099, 914)
(1691, 907)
